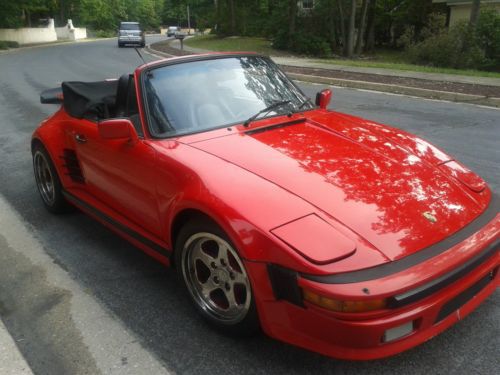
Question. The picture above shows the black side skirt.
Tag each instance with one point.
(121, 227)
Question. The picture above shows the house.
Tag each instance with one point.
(460, 9)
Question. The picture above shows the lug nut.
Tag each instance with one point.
(213, 265)
(216, 280)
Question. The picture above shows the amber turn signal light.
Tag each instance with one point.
(343, 306)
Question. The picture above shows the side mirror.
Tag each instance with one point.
(323, 98)
(118, 128)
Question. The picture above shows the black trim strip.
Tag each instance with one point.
(399, 265)
(445, 280)
(464, 297)
(123, 228)
(277, 126)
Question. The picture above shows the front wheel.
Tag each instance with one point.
(47, 181)
(216, 279)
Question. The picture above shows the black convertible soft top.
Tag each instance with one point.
(89, 99)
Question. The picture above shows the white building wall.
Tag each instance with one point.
(34, 35)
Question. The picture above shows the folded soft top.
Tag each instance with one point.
(89, 99)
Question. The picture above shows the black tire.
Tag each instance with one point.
(48, 182)
(143, 44)
(120, 45)
(241, 319)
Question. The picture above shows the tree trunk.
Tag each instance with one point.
(370, 39)
(292, 19)
(61, 12)
(362, 27)
(349, 50)
(332, 31)
(233, 17)
(474, 13)
(342, 25)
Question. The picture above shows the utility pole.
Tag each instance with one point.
(189, 21)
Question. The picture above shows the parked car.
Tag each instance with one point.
(172, 30)
(131, 33)
(330, 232)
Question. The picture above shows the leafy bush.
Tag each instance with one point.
(104, 33)
(6, 44)
(303, 43)
(462, 46)
(488, 34)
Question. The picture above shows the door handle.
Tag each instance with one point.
(80, 138)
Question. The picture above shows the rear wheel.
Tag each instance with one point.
(215, 278)
(47, 181)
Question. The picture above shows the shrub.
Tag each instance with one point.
(104, 33)
(303, 43)
(462, 46)
(6, 44)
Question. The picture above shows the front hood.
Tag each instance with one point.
(395, 197)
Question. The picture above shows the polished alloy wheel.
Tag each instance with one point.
(44, 178)
(216, 278)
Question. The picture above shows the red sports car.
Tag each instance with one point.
(330, 232)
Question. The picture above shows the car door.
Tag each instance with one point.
(119, 173)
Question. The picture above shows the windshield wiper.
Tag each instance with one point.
(265, 110)
(306, 101)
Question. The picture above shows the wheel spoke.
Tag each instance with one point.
(231, 299)
(222, 256)
(238, 278)
(203, 257)
(209, 287)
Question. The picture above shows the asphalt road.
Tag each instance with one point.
(142, 296)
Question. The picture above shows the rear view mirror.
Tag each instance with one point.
(119, 128)
(323, 98)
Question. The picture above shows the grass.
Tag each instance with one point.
(383, 59)
(382, 63)
(237, 44)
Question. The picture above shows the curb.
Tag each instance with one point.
(57, 43)
(12, 362)
(402, 90)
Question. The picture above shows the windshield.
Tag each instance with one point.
(202, 95)
(129, 26)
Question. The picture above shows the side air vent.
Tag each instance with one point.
(72, 166)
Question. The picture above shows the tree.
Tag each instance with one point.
(292, 19)
(349, 48)
(370, 38)
(362, 27)
(474, 13)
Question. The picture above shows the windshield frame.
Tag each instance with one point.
(195, 58)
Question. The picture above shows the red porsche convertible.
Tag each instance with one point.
(327, 231)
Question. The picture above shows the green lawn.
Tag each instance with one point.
(385, 59)
(214, 43)
(376, 63)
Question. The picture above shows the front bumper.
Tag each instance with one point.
(364, 336)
